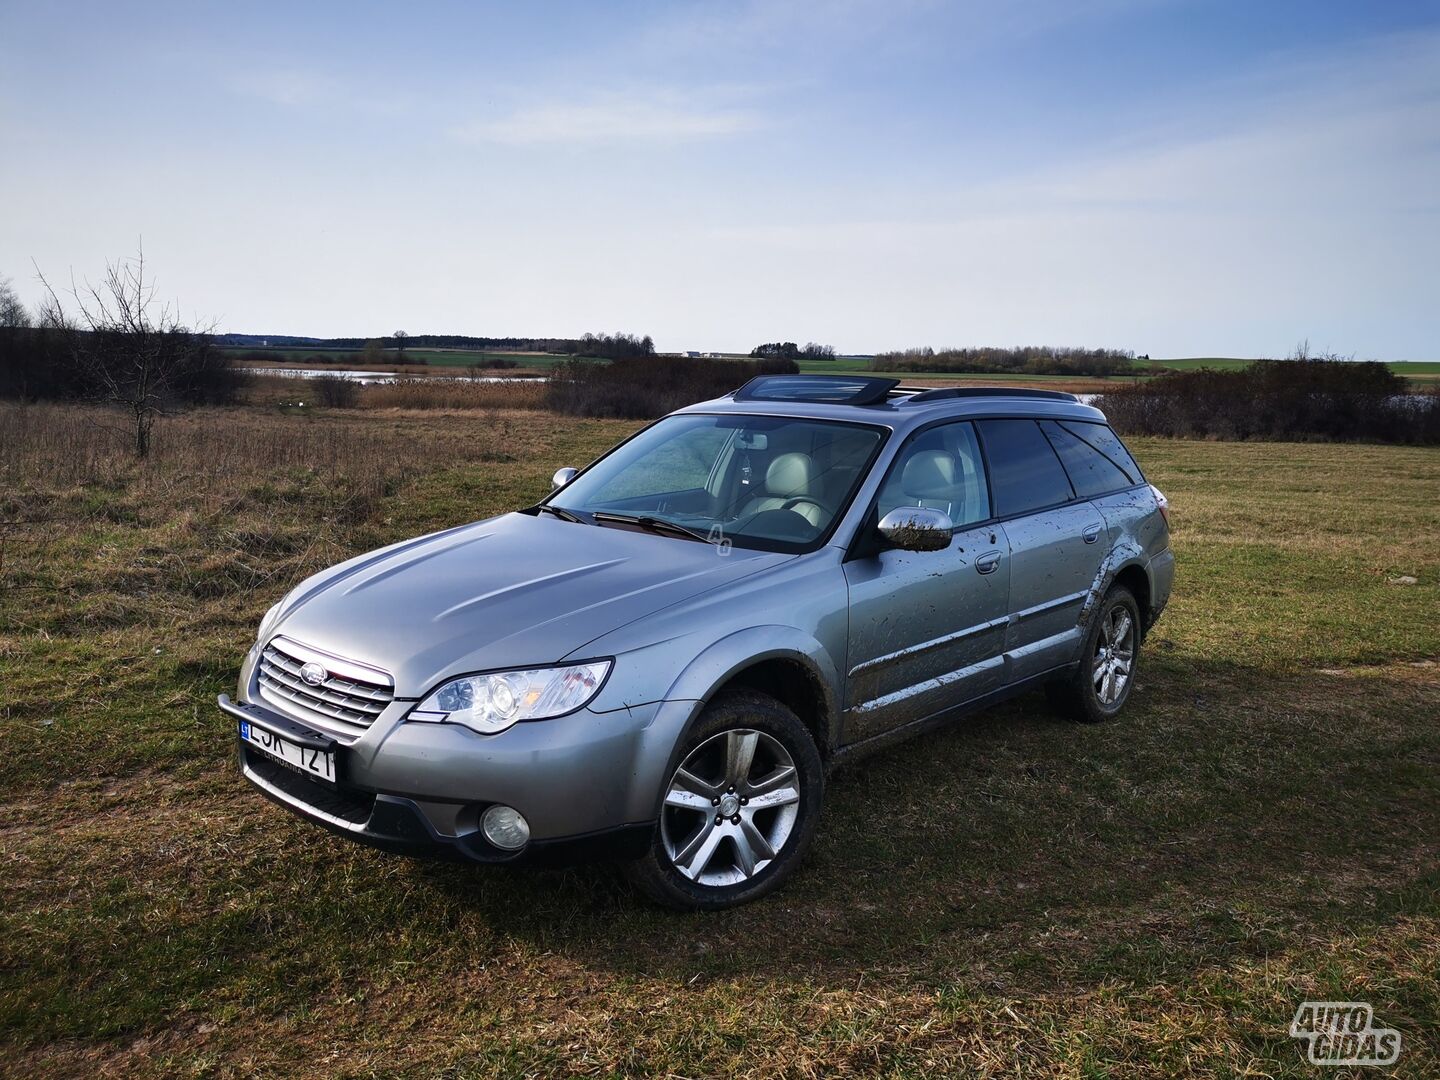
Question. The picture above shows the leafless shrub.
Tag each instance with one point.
(1298, 399)
(335, 391)
(12, 312)
(130, 351)
(649, 386)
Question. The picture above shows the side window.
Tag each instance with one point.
(941, 469)
(1024, 469)
(1107, 443)
(1090, 471)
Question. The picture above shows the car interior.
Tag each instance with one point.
(770, 478)
(941, 470)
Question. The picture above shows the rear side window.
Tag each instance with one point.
(1025, 474)
(1108, 443)
(1090, 471)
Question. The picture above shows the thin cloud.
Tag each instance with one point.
(289, 88)
(629, 119)
(824, 27)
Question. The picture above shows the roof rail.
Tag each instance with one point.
(944, 392)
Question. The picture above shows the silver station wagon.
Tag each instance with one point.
(661, 660)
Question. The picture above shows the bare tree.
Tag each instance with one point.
(12, 311)
(400, 336)
(132, 351)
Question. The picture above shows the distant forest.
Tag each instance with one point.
(608, 345)
(1018, 360)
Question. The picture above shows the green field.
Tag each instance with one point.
(1420, 368)
(1190, 363)
(1011, 895)
(1230, 363)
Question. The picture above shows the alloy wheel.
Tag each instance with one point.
(1114, 655)
(730, 807)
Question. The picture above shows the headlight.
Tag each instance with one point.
(491, 703)
(269, 620)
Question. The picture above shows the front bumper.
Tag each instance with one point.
(449, 777)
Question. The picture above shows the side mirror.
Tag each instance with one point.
(917, 528)
(562, 477)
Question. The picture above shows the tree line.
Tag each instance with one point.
(604, 345)
(610, 346)
(1017, 360)
(788, 350)
(412, 341)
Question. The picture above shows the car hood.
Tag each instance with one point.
(514, 591)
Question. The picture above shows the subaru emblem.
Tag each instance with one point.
(313, 674)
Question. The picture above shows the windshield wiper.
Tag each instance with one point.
(560, 512)
(653, 524)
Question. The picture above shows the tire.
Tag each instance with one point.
(697, 864)
(1089, 696)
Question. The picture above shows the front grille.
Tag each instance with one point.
(344, 696)
(343, 803)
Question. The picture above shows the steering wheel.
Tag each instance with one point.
(790, 504)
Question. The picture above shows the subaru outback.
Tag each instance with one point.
(662, 660)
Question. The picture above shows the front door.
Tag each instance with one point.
(927, 628)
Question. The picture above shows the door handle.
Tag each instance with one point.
(987, 563)
(1092, 533)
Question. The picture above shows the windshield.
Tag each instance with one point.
(768, 482)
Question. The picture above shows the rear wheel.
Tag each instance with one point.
(739, 810)
(1109, 661)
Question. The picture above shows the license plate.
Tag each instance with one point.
(317, 763)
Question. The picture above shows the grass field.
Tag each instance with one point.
(1419, 369)
(1401, 367)
(1012, 895)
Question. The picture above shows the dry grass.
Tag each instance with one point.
(455, 394)
(218, 451)
(1010, 896)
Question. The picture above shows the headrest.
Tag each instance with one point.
(929, 474)
(790, 475)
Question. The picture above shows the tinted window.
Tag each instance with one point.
(1024, 470)
(940, 469)
(1108, 443)
(1091, 472)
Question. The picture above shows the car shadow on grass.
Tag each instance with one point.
(1227, 812)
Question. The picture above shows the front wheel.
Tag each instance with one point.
(739, 810)
(1109, 661)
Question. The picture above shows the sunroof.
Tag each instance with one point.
(821, 389)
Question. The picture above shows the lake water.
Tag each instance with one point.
(378, 378)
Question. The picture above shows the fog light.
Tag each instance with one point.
(505, 827)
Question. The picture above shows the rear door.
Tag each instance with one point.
(927, 628)
(1057, 544)
(1102, 470)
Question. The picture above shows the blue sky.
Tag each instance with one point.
(1176, 178)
